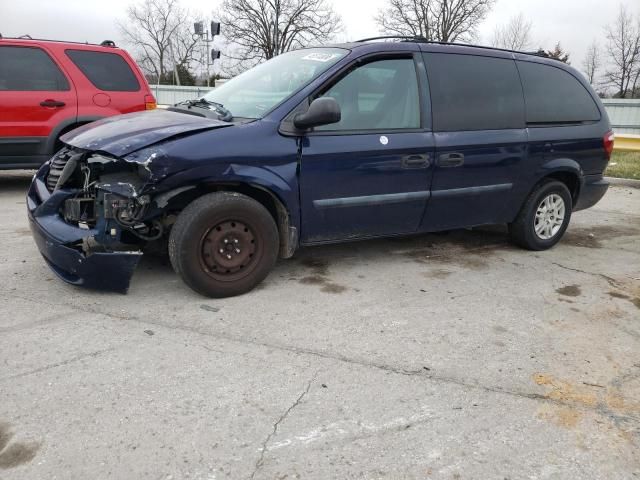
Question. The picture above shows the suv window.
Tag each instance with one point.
(107, 71)
(555, 96)
(474, 93)
(29, 69)
(381, 95)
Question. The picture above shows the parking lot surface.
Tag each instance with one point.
(451, 356)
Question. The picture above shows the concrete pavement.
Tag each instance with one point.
(439, 356)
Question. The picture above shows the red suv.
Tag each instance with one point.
(48, 88)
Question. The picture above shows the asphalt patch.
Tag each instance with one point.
(17, 453)
(569, 291)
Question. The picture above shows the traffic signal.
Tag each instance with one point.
(215, 30)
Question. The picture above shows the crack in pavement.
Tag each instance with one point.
(51, 319)
(282, 418)
(418, 373)
(59, 364)
(611, 281)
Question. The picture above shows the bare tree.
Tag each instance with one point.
(515, 35)
(434, 20)
(258, 30)
(592, 62)
(623, 47)
(158, 31)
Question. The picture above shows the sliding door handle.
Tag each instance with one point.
(451, 160)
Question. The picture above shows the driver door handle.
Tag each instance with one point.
(416, 161)
(52, 103)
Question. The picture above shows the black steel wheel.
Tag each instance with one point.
(223, 244)
(228, 250)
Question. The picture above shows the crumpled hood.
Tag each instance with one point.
(124, 134)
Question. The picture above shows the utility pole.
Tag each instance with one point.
(276, 28)
(176, 77)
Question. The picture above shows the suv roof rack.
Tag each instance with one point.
(104, 43)
(421, 39)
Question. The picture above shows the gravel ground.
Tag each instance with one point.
(450, 356)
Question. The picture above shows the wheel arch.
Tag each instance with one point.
(564, 170)
(288, 233)
(179, 198)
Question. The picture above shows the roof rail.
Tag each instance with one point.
(108, 43)
(539, 53)
(420, 39)
(404, 38)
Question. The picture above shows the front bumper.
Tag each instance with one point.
(592, 189)
(61, 243)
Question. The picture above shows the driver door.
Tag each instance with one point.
(369, 174)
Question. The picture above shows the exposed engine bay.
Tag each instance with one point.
(108, 199)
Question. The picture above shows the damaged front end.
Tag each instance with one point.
(91, 218)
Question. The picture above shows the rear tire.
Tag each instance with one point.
(223, 244)
(544, 217)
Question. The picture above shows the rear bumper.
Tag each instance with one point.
(61, 244)
(592, 189)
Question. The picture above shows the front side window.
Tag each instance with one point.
(106, 71)
(257, 91)
(555, 96)
(29, 69)
(381, 95)
(474, 93)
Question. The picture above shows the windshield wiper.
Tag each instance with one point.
(223, 114)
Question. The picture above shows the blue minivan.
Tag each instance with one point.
(347, 142)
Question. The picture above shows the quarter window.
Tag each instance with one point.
(106, 71)
(381, 95)
(555, 96)
(29, 69)
(474, 93)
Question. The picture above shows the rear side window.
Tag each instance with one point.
(107, 71)
(29, 69)
(555, 96)
(474, 93)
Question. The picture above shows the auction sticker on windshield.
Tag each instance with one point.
(321, 57)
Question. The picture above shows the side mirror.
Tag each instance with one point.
(322, 111)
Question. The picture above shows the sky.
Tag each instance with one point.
(574, 23)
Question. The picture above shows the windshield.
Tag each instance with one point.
(257, 91)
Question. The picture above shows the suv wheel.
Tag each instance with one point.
(544, 217)
(223, 244)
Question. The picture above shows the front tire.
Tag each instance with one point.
(223, 244)
(544, 217)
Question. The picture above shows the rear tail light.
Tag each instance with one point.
(149, 102)
(608, 143)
